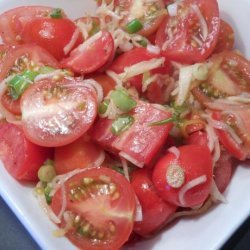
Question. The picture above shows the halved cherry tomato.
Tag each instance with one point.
(184, 179)
(223, 171)
(226, 37)
(155, 211)
(192, 34)
(21, 57)
(21, 158)
(10, 104)
(91, 55)
(197, 138)
(81, 153)
(101, 203)
(240, 150)
(57, 36)
(13, 21)
(229, 76)
(55, 113)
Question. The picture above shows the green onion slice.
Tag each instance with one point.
(134, 26)
(121, 124)
(103, 107)
(56, 13)
(122, 100)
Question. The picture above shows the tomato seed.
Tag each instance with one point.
(87, 181)
(115, 196)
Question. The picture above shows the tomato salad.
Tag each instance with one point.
(124, 120)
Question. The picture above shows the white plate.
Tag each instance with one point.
(207, 232)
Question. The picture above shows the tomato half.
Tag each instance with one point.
(229, 76)
(155, 211)
(13, 21)
(55, 113)
(57, 36)
(91, 55)
(81, 153)
(192, 34)
(102, 204)
(226, 37)
(184, 179)
(10, 104)
(21, 158)
(18, 58)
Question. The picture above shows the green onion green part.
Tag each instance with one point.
(103, 107)
(121, 124)
(134, 26)
(95, 28)
(56, 13)
(47, 191)
(123, 100)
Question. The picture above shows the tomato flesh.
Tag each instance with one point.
(21, 158)
(102, 203)
(55, 113)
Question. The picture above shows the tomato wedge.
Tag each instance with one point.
(91, 55)
(101, 203)
(21, 158)
(192, 34)
(55, 113)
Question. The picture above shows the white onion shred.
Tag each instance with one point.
(131, 159)
(125, 168)
(64, 201)
(138, 210)
(68, 47)
(115, 77)
(203, 23)
(153, 49)
(96, 86)
(172, 9)
(191, 184)
(216, 195)
(175, 151)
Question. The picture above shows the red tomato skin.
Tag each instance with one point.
(134, 141)
(178, 49)
(154, 210)
(21, 158)
(226, 37)
(125, 204)
(197, 138)
(52, 34)
(223, 171)
(87, 58)
(13, 21)
(58, 126)
(196, 161)
(79, 154)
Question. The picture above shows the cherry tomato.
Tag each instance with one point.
(13, 21)
(155, 211)
(226, 37)
(92, 55)
(184, 179)
(21, 57)
(198, 138)
(102, 204)
(21, 158)
(55, 113)
(81, 153)
(223, 171)
(229, 76)
(240, 150)
(192, 34)
(57, 36)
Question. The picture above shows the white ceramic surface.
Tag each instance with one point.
(207, 232)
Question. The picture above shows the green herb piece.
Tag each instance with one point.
(103, 107)
(56, 13)
(95, 28)
(19, 83)
(134, 26)
(123, 100)
(143, 43)
(121, 124)
(47, 191)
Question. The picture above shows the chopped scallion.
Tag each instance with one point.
(134, 26)
(122, 100)
(103, 107)
(121, 124)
